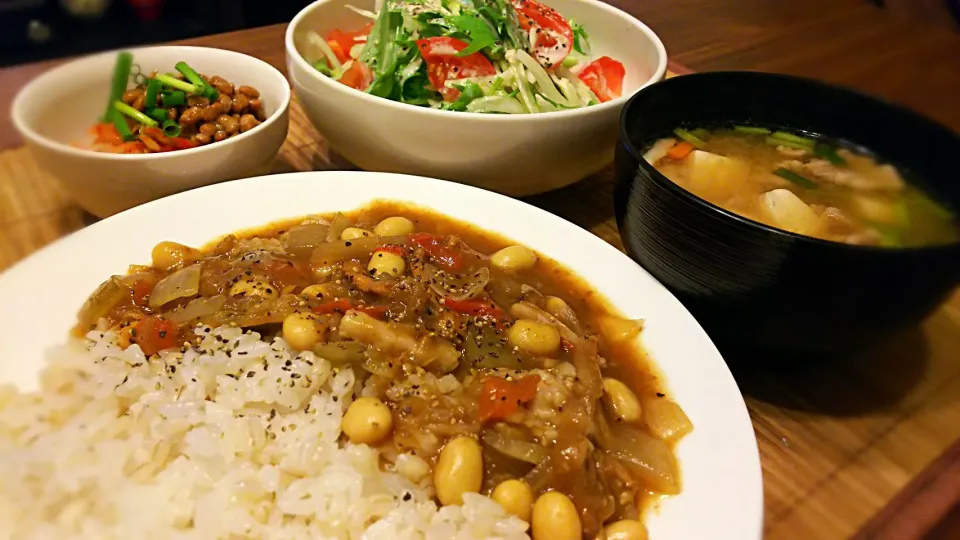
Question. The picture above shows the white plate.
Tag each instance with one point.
(722, 493)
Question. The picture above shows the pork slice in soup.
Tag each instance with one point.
(804, 185)
(480, 363)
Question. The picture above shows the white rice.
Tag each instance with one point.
(236, 438)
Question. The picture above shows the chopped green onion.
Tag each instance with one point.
(158, 114)
(127, 110)
(689, 137)
(120, 123)
(700, 133)
(153, 87)
(211, 93)
(829, 154)
(171, 128)
(171, 82)
(174, 99)
(189, 74)
(751, 130)
(795, 178)
(121, 74)
(784, 136)
(788, 144)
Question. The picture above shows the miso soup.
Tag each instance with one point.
(805, 185)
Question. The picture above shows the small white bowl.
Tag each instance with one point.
(512, 154)
(56, 110)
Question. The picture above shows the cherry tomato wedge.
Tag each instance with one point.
(141, 291)
(154, 334)
(450, 257)
(554, 37)
(604, 76)
(358, 76)
(341, 42)
(443, 64)
(500, 398)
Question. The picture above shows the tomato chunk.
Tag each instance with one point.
(500, 398)
(141, 291)
(358, 76)
(604, 76)
(554, 37)
(439, 248)
(478, 308)
(341, 42)
(443, 64)
(154, 334)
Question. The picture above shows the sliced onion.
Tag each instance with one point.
(302, 239)
(544, 82)
(497, 104)
(337, 226)
(525, 451)
(254, 311)
(585, 361)
(647, 457)
(197, 308)
(448, 286)
(343, 250)
(659, 150)
(526, 310)
(183, 283)
(110, 293)
(341, 352)
(665, 419)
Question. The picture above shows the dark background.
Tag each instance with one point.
(32, 30)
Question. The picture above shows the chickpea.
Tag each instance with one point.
(220, 136)
(167, 255)
(256, 106)
(367, 421)
(514, 259)
(626, 529)
(534, 337)
(248, 91)
(255, 288)
(198, 101)
(317, 292)
(240, 103)
(225, 101)
(621, 401)
(212, 112)
(201, 139)
(208, 129)
(300, 331)
(386, 263)
(459, 470)
(222, 85)
(556, 306)
(394, 226)
(516, 497)
(228, 124)
(352, 233)
(555, 518)
(191, 116)
(248, 122)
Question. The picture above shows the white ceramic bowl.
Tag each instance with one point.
(722, 494)
(513, 154)
(57, 109)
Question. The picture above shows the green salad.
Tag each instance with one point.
(487, 56)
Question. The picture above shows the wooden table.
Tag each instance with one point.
(870, 447)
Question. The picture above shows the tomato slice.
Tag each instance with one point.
(604, 76)
(443, 64)
(141, 291)
(440, 250)
(359, 76)
(477, 308)
(554, 37)
(341, 42)
(154, 334)
(391, 248)
(500, 398)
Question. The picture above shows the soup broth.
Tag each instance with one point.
(803, 185)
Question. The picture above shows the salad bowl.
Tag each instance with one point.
(514, 154)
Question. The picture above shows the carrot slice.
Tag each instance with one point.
(680, 151)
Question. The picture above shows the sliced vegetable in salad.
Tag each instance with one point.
(490, 56)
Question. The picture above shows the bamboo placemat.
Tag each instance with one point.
(837, 442)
